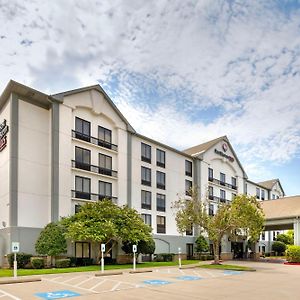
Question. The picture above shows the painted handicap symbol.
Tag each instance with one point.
(229, 272)
(57, 295)
(189, 278)
(157, 282)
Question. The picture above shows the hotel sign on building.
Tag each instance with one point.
(224, 148)
(3, 135)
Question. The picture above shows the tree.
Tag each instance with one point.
(51, 241)
(144, 247)
(106, 222)
(285, 238)
(242, 216)
(201, 244)
(278, 247)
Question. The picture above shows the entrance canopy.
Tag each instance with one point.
(282, 214)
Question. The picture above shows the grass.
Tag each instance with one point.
(227, 267)
(27, 272)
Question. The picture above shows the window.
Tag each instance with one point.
(233, 183)
(161, 202)
(274, 235)
(188, 168)
(273, 196)
(82, 129)
(104, 137)
(146, 176)
(147, 219)
(222, 196)
(82, 158)
(105, 190)
(262, 194)
(263, 236)
(257, 193)
(146, 153)
(263, 249)
(160, 180)
(246, 188)
(210, 193)
(222, 178)
(188, 187)
(161, 224)
(82, 187)
(146, 200)
(160, 158)
(233, 195)
(211, 210)
(210, 174)
(82, 249)
(105, 164)
(189, 230)
(77, 208)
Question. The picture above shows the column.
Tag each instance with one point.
(297, 232)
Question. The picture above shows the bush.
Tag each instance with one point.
(267, 254)
(63, 263)
(23, 259)
(206, 257)
(144, 247)
(37, 262)
(287, 239)
(293, 254)
(163, 257)
(201, 244)
(278, 247)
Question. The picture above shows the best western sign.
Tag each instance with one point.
(221, 153)
(3, 135)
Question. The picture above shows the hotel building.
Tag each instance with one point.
(60, 151)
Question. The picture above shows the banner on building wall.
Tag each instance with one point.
(3, 135)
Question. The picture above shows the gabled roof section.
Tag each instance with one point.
(205, 146)
(268, 184)
(27, 92)
(202, 148)
(98, 88)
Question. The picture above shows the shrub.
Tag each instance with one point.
(267, 254)
(287, 239)
(37, 262)
(22, 259)
(278, 247)
(144, 247)
(293, 254)
(201, 244)
(164, 257)
(62, 263)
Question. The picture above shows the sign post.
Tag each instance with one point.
(15, 248)
(102, 258)
(179, 257)
(134, 250)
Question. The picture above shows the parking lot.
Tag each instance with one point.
(270, 281)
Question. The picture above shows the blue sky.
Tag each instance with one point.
(182, 72)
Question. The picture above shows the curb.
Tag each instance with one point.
(108, 273)
(140, 271)
(19, 280)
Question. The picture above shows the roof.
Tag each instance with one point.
(98, 88)
(24, 91)
(286, 207)
(205, 146)
(201, 148)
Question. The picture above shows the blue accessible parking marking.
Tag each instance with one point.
(228, 272)
(57, 295)
(189, 278)
(157, 282)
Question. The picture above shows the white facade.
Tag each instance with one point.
(74, 147)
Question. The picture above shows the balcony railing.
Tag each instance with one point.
(93, 140)
(218, 199)
(161, 208)
(146, 159)
(146, 205)
(187, 173)
(161, 186)
(161, 164)
(217, 181)
(146, 182)
(92, 196)
(161, 228)
(94, 169)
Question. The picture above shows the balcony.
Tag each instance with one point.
(91, 196)
(161, 186)
(146, 182)
(219, 182)
(146, 206)
(218, 199)
(160, 164)
(146, 159)
(93, 140)
(161, 208)
(94, 169)
(187, 173)
(161, 228)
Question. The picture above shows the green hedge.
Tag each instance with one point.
(23, 259)
(63, 263)
(37, 262)
(164, 257)
(278, 247)
(293, 254)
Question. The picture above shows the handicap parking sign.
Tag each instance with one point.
(188, 278)
(229, 272)
(57, 295)
(157, 282)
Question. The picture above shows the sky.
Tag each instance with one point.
(182, 72)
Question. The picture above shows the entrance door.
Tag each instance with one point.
(237, 249)
(189, 251)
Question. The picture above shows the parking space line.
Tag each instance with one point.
(98, 284)
(115, 286)
(84, 281)
(70, 279)
(10, 295)
(67, 284)
(2, 296)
